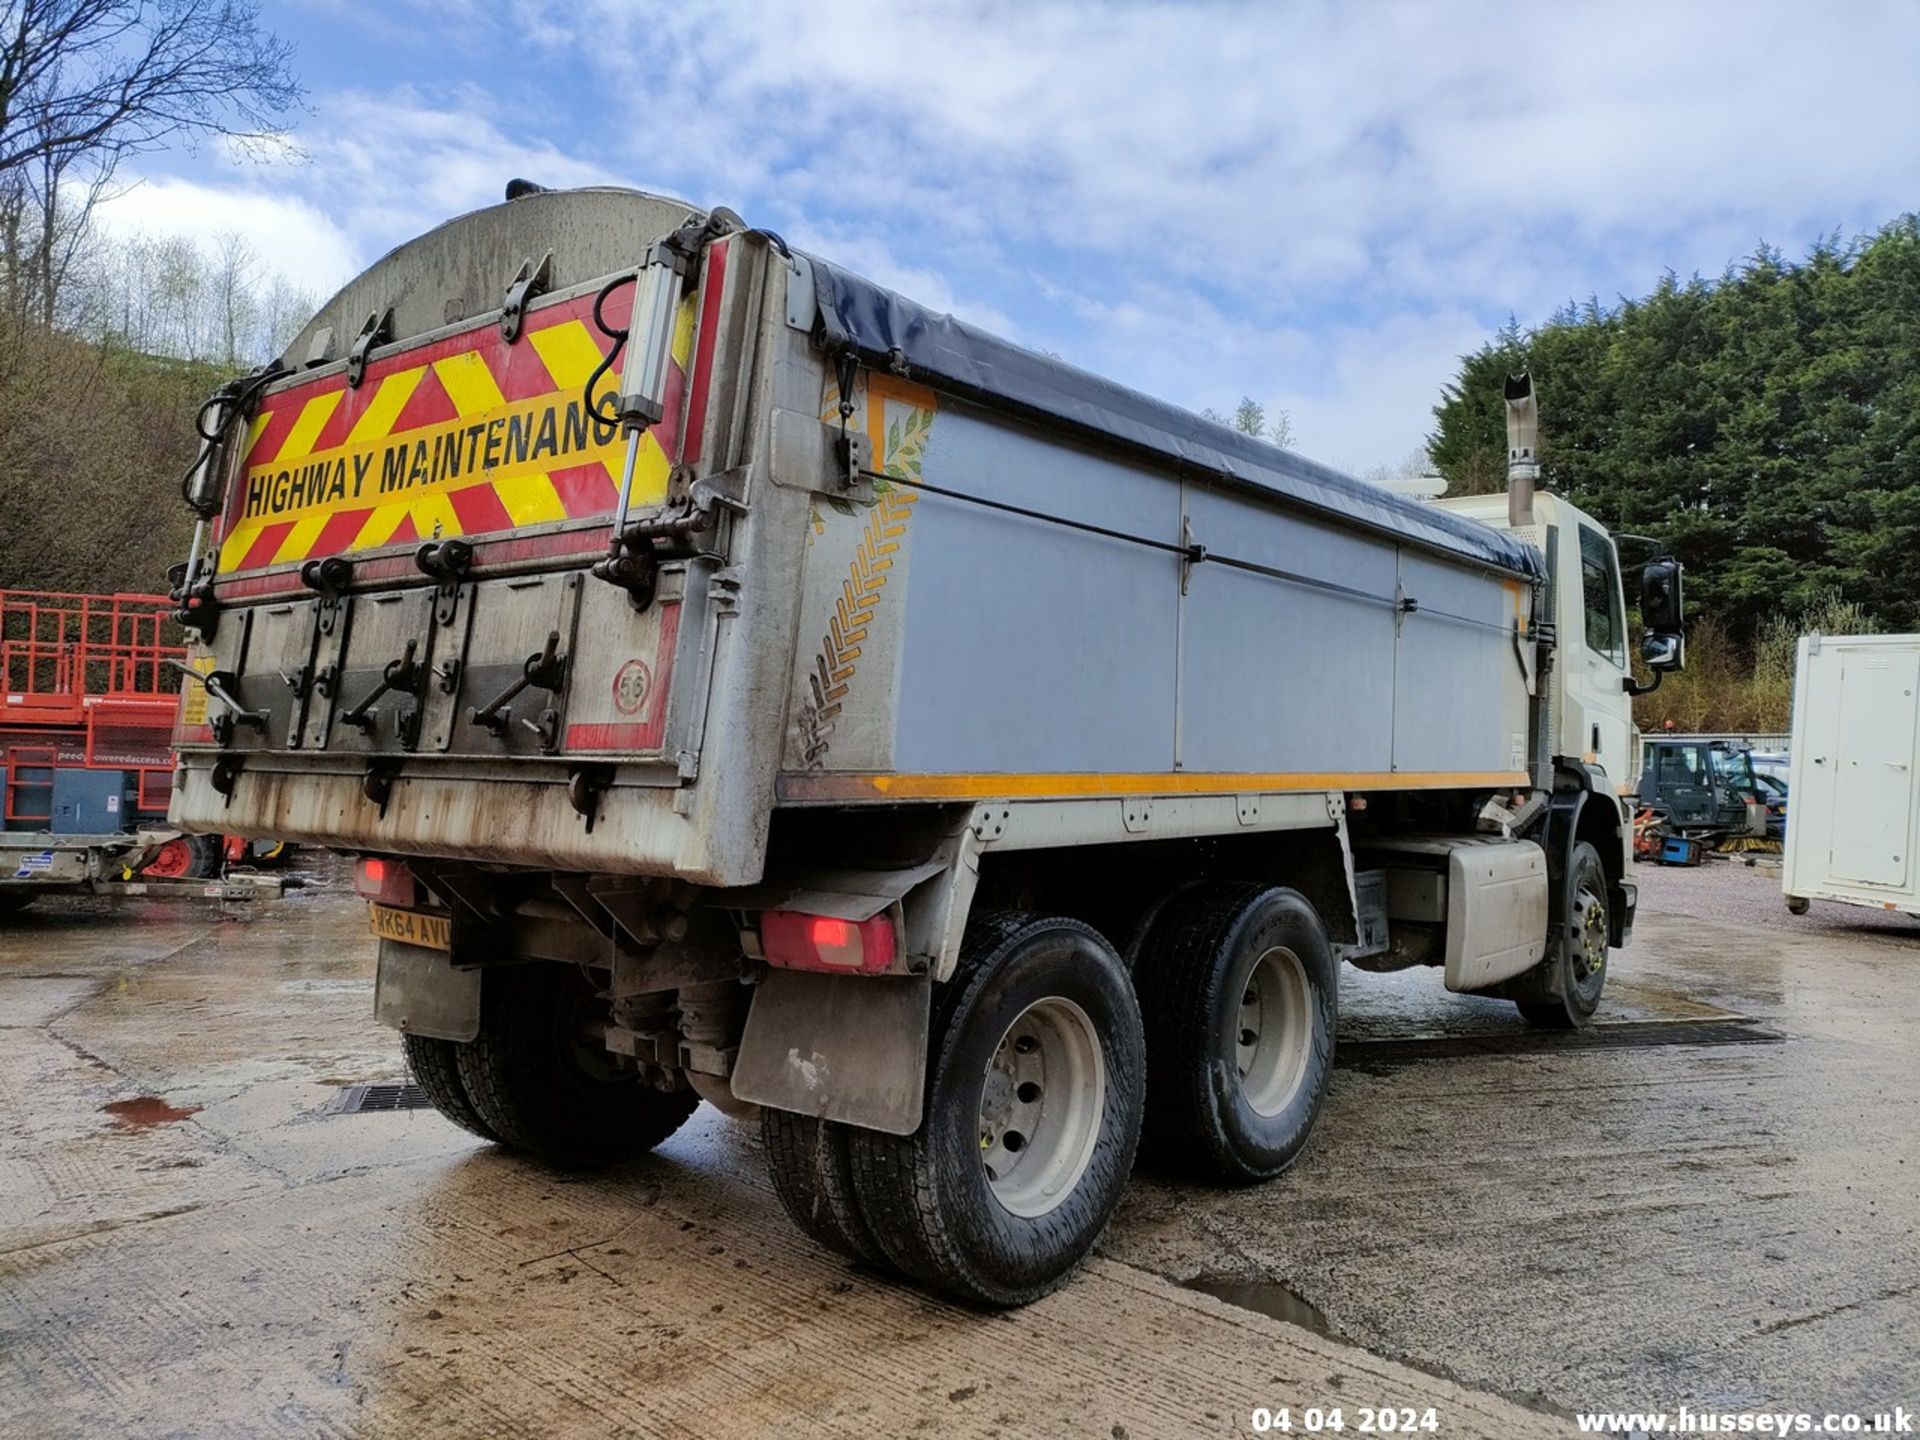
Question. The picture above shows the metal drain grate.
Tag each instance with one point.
(364, 1099)
(1378, 1056)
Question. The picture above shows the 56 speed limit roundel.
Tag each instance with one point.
(631, 687)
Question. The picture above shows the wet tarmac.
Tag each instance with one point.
(1710, 1202)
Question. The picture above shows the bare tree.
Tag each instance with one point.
(109, 78)
(234, 295)
(83, 84)
(1250, 418)
(206, 301)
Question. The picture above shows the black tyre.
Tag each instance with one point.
(812, 1172)
(1563, 991)
(436, 1069)
(1798, 905)
(1035, 1087)
(1240, 996)
(539, 1075)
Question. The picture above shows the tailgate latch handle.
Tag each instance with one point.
(545, 671)
(220, 684)
(404, 674)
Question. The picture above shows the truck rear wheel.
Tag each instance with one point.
(541, 1079)
(812, 1172)
(1034, 1095)
(435, 1065)
(1239, 994)
(1563, 991)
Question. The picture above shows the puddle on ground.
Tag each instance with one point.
(147, 1110)
(1384, 1057)
(1264, 1297)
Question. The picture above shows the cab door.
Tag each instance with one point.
(1594, 644)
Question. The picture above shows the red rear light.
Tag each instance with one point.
(795, 940)
(387, 882)
(829, 934)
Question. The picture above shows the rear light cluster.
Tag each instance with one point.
(795, 940)
(385, 882)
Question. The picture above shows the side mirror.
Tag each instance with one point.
(1663, 652)
(1661, 603)
(1662, 615)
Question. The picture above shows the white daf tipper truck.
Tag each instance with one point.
(742, 683)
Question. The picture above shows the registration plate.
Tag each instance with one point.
(410, 927)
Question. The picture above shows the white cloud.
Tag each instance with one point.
(868, 255)
(1318, 204)
(1313, 134)
(289, 235)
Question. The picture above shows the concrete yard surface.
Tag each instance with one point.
(1710, 1203)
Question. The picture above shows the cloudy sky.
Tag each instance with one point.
(1319, 205)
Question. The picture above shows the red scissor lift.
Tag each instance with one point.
(89, 682)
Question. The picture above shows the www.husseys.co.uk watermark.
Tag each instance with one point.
(1685, 1421)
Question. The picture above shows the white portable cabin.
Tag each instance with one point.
(1853, 810)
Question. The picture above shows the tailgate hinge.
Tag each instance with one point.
(377, 331)
(448, 562)
(528, 281)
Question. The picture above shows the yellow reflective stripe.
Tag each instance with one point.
(568, 352)
(683, 330)
(434, 517)
(376, 421)
(650, 470)
(470, 384)
(234, 548)
(380, 525)
(313, 418)
(300, 539)
(255, 428)
(530, 499)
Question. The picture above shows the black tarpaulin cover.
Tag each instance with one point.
(886, 329)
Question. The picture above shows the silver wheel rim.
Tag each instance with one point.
(1275, 1039)
(1041, 1105)
(1590, 921)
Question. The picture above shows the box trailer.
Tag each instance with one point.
(1853, 810)
(743, 683)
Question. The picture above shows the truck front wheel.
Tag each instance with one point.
(539, 1075)
(1563, 991)
(1035, 1087)
(1239, 994)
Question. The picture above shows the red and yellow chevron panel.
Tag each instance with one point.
(462, 436)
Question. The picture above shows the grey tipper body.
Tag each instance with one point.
(915, 626)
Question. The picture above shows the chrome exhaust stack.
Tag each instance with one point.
(1523, 440)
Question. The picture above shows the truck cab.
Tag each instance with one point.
(1587, 605)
